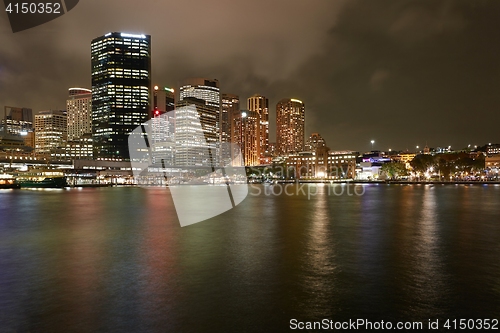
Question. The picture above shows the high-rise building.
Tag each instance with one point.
(260, 104)
(290, 126)
(163, 126)
(79, 109)
(204, 95)
(17, 120)
(246, 134)
(121, 72)
(196, 133)
(51, 130)
(230, 107)
(201, 88)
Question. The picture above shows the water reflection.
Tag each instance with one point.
(319, 263)
(116, 259)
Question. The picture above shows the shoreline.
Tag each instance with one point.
(391, 182)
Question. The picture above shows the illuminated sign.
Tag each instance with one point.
(133, 36)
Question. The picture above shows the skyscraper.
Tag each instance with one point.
(260, 104)
(290, 126)
(246, 134)
(230, 107)
(201, 88)
(196, 135)
(204, 95)
(121, 71)
(163, 126)
(79, 109)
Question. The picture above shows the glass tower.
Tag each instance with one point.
(121, 83)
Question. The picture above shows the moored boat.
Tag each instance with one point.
(42, 179)
(8, 182)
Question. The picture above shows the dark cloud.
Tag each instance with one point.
(399, 72)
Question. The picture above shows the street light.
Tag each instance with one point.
(373, 141)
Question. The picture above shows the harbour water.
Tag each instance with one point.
(117, 260)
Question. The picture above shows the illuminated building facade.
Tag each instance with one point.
(196, 133)
(230, 108)
(51, 131)
(290, 126)
(17, 120)
(201, 88)
(163, 126)
(246, 134)
(260, 104)
(324, 164)
(121, 69)
(79, 109)
(315, 141)
(204, 95)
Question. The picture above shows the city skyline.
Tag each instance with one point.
(362, 78)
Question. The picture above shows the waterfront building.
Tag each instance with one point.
(317, 161)
(79, 109)
(121, 71)
(260, 104)
(163, 126)
(202, 96)
(323, 164)
(17, 120)
(290, 126)
(51, 131)
(370, 164)
(246, 134)
(196, 133)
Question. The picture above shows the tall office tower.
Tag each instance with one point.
(290, 123)
(121, 71)
(196, 133)
(17, 120)
(51, 131)
(205, 89)
(246, 133)
(163, 126)
(260, 104)
(79, 109)
(230, 106)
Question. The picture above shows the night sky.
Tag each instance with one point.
(402, 73)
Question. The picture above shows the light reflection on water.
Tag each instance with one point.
(116, 259)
